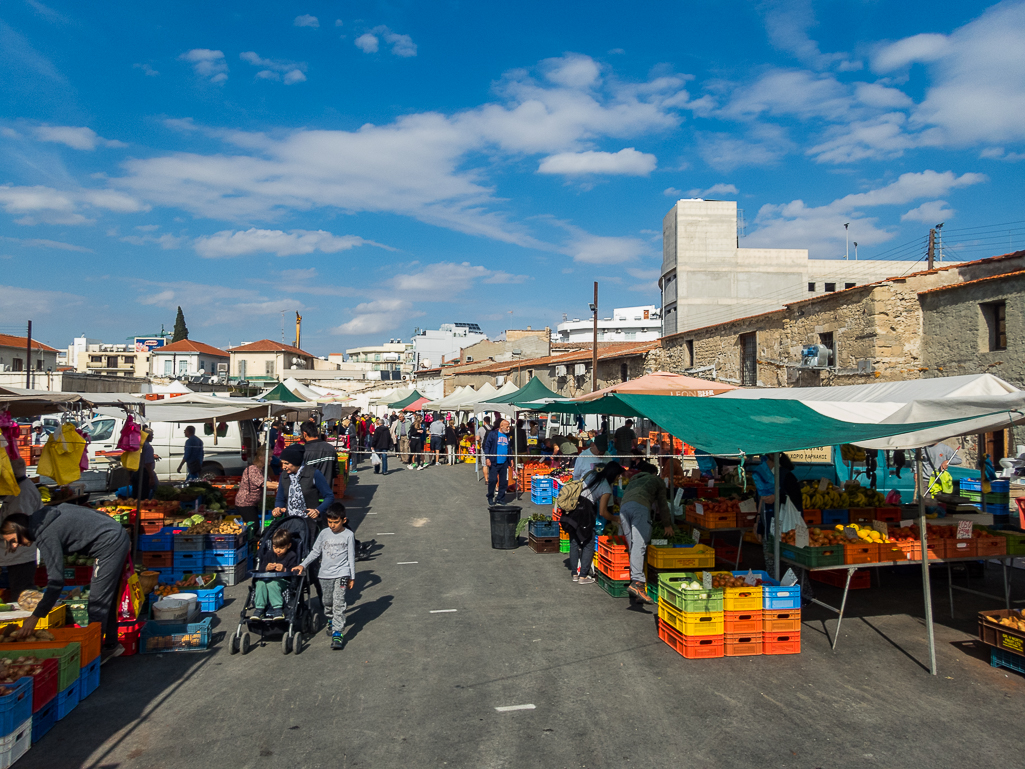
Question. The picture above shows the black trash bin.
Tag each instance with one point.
(503, 526)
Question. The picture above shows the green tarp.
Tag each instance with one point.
(532, 391)
(728, 426)
(283, 395)
(413, 397)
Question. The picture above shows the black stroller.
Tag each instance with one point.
(298, 618)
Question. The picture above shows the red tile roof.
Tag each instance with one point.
(187, 345)
(973, 282)
(613, 350)
(269, 345)
(6, 340)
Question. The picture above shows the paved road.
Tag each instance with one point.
(414, 688)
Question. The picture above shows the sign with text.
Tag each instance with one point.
(964, 529)
(706, 580)
(820, 456)
(699, 508)
(801, 536)
(850, 532)
(750, 578)
(696, 535)
(748, 506)
(881, 527)
(789, 579)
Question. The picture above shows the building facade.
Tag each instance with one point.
(189, 358)
(396, 356)
(15, 355)
(432, 348)
(267, 360)
(627, 324)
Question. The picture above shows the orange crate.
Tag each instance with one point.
(891, 551)
(611, 571)
(743, 622)
(859, 514)
(747, 520)
(781, 621)
(743, 644)
(812, 517)
(861, 552)
(986, 546)
(713, 520)
(693, 647)
(614, 550)
(90, 637)
(888, 514)
(158, 560)
(913, 550)
(781, 643)
(962, 548)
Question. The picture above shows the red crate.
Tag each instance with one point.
(707, 493)
(163, 560)
(860, 580)
(812, 517)
(693, 647)
(888, 514)
(987, 546)
(962, 548)
(743, 622)
(781, 643)
(44, 684)
(788, 621)
(614, 550)
(743, 644)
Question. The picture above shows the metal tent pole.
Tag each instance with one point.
(980, 451)
(775, 514)
(926, 584)
(266, 468)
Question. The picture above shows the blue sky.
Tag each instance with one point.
(381, 166)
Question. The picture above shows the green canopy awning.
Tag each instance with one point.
(283, 395)
(531, 391)
(413, 397)
(719, 426)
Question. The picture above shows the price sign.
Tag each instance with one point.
(850, 532)
(964, 529)
(706, 580)
(711, 483)
(748, 506)
(660, 542)
(698, 508)
(823, 484)
(696, 535)
(789, 578)
(679, 497)
(881, 527)
(750, 578)
(907, 522)
(801, 536)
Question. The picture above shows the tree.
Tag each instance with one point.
(181, 331)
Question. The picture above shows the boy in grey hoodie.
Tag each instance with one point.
(336, 547)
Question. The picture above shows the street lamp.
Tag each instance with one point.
(847, 238)
(855, 250)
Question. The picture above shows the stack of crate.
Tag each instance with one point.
(612, 564)
(189, 553)
(543, 536)
(228, 555)
(542, 490)
(691, 620)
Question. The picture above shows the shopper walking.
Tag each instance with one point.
(594, 455)
(381, 444)
(496, 459)
(625, 439)
(319, 454)
(645, 493)
(192, 457)
(451, 441)
(302, 490)
(579, 523)
(481, 433)
(252, 488)
(437, 435)
(400, 438)
(789, 489)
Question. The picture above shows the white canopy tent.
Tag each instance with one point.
(199, 407)
(480, 403)
(453, 399)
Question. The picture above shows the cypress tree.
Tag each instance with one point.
(181, 331)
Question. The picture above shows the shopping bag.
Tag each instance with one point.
(789, 517)
(8, 483)
(375, 459)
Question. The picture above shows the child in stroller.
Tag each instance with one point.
(296, 617)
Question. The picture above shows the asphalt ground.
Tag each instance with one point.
(413, 688)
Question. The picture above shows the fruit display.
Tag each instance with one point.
(715, 506)
(725, 579)
(836, 498)
(191, 582)
(12, 670)
(865, 533)
(658, 532)
(7, 636)
(1015, 620)
(198, 524)
(816, 537)
(29, 599)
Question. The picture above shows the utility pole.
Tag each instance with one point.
(932, 246)
(28, 356)
(939, 237)
(855, 250)
(594, 342)
(847, 238)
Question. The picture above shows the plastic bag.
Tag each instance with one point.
(131, 435)
(375, 459)
(941, 483)
(789, 517)
(61, 455)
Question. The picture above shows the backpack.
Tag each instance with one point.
(569, 495)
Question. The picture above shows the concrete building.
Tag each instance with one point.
(514, 343)
(267, 360)
(14, 355)
(708, 278)
(431, 347)
(393, 360)
(78, 347)
(189, 358)
(114, 360)
(627, 324)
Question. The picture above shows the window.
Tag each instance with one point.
(631, 336)
(167, 367)
(268, 367)
(202, 366)
(849, 285)
(377, 356)
(17, 364)
(183, 366)
(995, 316)
(811, 287)
(99, 430)
(624, 372)
(831, 287)
(39, 365)
(111, 361)
(826, 340)
(469, 359)
(690, 352)
(241, 369)
(748, 360)
(95, 359)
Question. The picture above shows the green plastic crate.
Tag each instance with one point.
(832, 555)
(700, 601)
(68, 661)
(614, 587)
(652, 590)
(563, 545)
(1015, 541)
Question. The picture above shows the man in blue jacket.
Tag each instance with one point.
(496, 459)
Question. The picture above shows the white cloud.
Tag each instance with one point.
(276, 69)
(451, 278)
(215, 305)
(797, 92)
(998, 153)
(762, 146)
(787, 23)
(229, 243)
(881, 96)
(76, 137)
(929, 213)
(376, 317)
(599, 249)
(338, 22)
(43, 243)
(572, 71)
(45, 205)
(367, 43)
(207, 64)
(626, 162)
(921, 48)
(167, 241)
(181, 124)
(294, 76)
(307, 21)
(401, 45)
(716, 190)
(672, 192)
(147, 70)
(21, 302)
(878, 138)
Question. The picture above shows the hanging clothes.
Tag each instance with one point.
(11, 432)
(8, 483)
(130, 459)
(62, 455)
(131, 435)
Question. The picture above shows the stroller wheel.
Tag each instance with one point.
(233, 644)
(286, 643)
(245, 643)
(308, 623)
(298, 644)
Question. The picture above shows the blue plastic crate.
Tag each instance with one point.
(991, 509)
(210, 600)
(189, 543)
(223, 559)
(541, 483)
(541, 499)
(190, 561)
(89, 679)
(544, 528)
(226, 541)
(159, 637)
(67, 700)
(834, 517)
(166, 575)
(43, 720)
(16, 707)
(996, 486)
(152, 543)
(1001, 658)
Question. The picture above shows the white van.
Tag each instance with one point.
(223, 454)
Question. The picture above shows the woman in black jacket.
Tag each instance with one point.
(381, 444)
(451, 442)
(789, 489)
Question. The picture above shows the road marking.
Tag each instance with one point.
(406, 563)
(385, 533)
(371, 513)
(507, 708)
(442, 611)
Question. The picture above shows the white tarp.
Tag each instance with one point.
(390, 396)
(453, 399)
(996, 403)
(200, 407)
(478, 404)
(174, 388)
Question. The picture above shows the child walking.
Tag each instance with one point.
(281, 559)
(336, 547)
